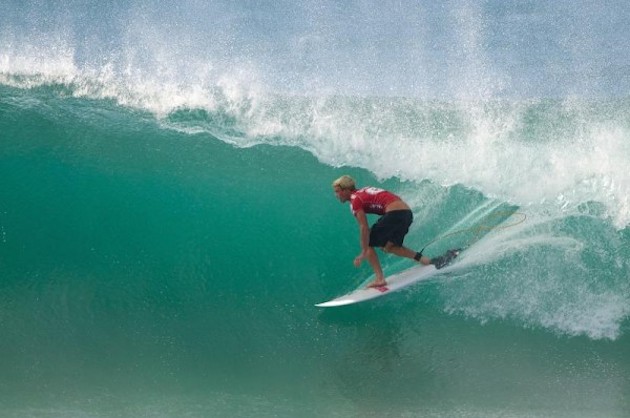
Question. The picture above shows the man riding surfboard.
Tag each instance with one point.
(388, 232)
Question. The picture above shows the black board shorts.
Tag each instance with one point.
(392, 227)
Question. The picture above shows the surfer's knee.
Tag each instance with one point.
(389, 247)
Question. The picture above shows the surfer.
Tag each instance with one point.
(388, 232)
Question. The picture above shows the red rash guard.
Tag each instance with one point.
(371, 200)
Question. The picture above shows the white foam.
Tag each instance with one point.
(579, 154)
(534, 275)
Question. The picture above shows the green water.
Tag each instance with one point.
(150, 272)
(167, 222)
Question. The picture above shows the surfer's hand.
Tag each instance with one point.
(358, 259)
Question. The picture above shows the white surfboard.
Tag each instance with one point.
(394, 282)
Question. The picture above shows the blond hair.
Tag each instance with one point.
(344, 183)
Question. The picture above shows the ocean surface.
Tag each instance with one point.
(167, 221)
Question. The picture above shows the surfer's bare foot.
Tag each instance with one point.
(377, 283)
(445, 259)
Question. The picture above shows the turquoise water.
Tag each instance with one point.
(167, 221)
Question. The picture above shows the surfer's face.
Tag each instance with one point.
(342, 195)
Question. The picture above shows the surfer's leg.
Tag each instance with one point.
(405, 252)
(372, 258)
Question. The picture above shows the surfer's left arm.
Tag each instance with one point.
(364, 236)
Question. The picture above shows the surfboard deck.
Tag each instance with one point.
(395, 282)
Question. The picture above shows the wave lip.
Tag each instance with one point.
(564, 154)
(563, 149)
